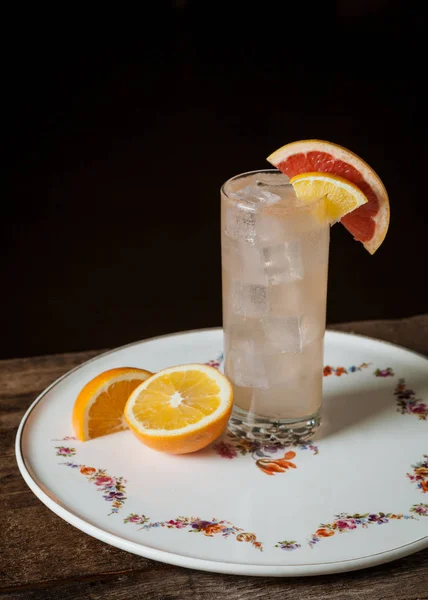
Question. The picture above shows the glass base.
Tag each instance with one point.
(274, 431)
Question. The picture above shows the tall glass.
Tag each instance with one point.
(274, 265)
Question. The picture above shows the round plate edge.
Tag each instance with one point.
(200, 564)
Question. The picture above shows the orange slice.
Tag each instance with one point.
(98, 409)
(341, 196)
(368, 223)
(180, 409)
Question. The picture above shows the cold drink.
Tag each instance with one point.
(274, 263)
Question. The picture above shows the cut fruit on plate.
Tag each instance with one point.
(342, 197)
(98, 409)
(180, 409)
(368, 223)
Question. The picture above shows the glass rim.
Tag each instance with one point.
(231, 196)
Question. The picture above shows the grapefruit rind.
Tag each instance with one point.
(380, 216)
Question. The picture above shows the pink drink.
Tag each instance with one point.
(275, 263)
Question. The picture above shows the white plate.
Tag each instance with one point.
(281, 516)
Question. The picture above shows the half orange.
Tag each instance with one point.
(98, 409)
(180, 409)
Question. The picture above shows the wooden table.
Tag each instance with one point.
(42, 557)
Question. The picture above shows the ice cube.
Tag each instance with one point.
(244, 346)
(240, 223)
(243, 260)
(313, 325)
(288, 299)
(277, 188)
(240, 217)
(246, 335)
(232, 255)
(282, 367)
(294, 368)
(283, 262)
(315, 246)
(285, 220)
(249, 300)
(283, 334)
(273, 178)
(270, 228)
(255, 194)
(246, 369)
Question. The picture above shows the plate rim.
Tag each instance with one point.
(172, 558)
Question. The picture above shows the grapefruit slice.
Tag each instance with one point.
(368, 223)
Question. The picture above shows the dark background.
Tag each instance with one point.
(118, 138)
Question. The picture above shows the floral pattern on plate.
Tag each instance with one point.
(420, 474)
(216, 362)
(113, 488)
(266, 459)
(344, 522)
(280, 465)
(230, 446)
(65, 451)
(420, 509)
(338, 371)
(407, 403)
(288, 545)
(196, 525)
(328, 370)
(388, 372)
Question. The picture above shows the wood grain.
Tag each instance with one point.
(43, 557)
(411, 333)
